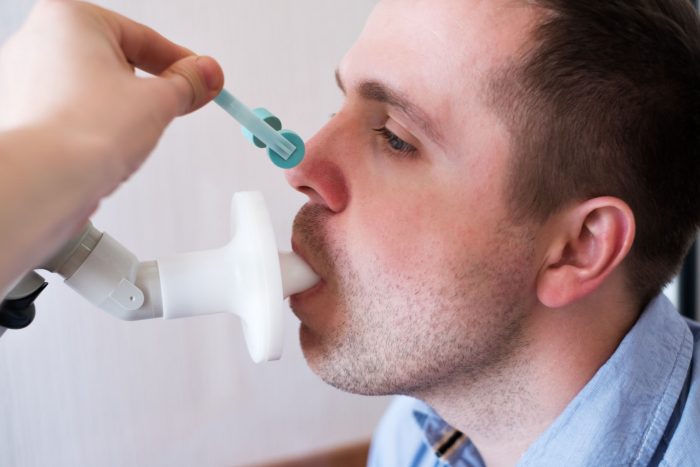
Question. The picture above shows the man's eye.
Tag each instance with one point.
(395, 143)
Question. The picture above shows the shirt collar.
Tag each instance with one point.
(620, 416)
(447, 443)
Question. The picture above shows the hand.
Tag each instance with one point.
(75, 121)
(71, 66)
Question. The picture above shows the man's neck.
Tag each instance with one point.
(505, 411)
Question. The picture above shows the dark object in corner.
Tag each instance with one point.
(19, 313)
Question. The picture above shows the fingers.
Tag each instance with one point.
(187, 85)
(142, 46)
(192, 81)
(183, 81)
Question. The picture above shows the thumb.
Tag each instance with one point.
(191, 83)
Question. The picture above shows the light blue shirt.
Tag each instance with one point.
(641, 408)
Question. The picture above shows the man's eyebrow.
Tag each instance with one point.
(379, 92)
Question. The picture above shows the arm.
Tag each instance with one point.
(45, 197)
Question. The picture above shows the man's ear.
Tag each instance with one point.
(587, 242)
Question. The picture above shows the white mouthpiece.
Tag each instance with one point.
(297, 276)
(248, 277)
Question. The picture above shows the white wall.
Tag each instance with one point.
(80, 388)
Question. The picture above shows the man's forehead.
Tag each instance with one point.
(497, 26)
(436, 51)
(443, 39)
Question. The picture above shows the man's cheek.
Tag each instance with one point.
(387, 246)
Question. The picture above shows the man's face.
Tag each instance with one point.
(424, 279)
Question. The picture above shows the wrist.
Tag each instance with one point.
(48, 187)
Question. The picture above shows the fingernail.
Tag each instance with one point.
(213, 77)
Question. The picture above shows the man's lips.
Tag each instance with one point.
(298, 298)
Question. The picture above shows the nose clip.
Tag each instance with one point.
(285, 148)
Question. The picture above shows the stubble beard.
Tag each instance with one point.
(413, 335)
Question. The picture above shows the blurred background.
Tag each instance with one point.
(80, 388)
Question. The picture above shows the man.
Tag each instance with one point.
(505, 190)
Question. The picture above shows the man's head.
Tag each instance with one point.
(605, 101)
(432, 254)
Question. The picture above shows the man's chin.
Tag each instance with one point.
(339, 371)
(313, 349)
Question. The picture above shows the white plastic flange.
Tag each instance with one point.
(243, 278)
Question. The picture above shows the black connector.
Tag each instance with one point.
(18, 313)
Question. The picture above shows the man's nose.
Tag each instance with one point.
(320, 177)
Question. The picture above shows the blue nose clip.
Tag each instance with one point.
(285, 148)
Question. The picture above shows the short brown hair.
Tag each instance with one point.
(605, 102)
